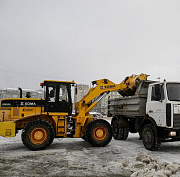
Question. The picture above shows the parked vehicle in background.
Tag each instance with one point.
(96, 115)
(99, 114)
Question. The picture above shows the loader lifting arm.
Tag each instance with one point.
(126, 88)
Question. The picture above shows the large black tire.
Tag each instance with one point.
(150, 140)
(126, 133)
(115, 129)
(38, 135)
(123, 133)
(98, 133)
(119, 133)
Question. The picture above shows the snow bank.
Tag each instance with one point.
(151, 167)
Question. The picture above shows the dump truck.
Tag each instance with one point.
(153, 111)
(42, 120)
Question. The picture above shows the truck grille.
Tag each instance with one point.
(176, 121)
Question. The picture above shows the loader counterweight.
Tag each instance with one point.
(7, 129)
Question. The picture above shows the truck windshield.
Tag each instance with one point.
(173, 91)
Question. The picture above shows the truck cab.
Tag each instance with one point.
(163, 104)
(153, 111)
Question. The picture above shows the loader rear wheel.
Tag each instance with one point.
(98, 133)
(37, 135)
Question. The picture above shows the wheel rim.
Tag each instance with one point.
(38, 135)
(100, 133)
(148, 139)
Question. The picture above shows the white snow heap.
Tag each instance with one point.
(151, 167)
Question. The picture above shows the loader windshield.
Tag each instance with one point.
(173, 91)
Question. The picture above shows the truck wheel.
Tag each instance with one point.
(126, 133)
(119, 133)
(37, 135)
(98, 133)
(115, 129)
(123, 133)
(150, 140)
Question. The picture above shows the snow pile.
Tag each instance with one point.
(151, 167)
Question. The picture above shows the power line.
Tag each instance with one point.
(39, 75)
(17, 72)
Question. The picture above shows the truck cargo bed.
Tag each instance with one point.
(131, 106)
(127, 106)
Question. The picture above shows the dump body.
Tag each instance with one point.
(131, 106)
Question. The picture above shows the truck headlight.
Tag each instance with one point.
(172, 133)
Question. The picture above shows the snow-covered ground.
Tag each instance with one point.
(76, 157)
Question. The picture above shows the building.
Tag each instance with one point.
(82, 90)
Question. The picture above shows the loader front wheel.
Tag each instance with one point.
(99, 133)
(37, 135)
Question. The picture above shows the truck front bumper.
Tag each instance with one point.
(7, 129)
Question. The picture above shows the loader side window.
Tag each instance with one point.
(63, 93)
(52, 94)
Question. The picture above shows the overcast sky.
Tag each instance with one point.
(86, 40)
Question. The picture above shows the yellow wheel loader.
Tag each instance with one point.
(42, 120)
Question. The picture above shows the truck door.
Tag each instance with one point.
(156, 104)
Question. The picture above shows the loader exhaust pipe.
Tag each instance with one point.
(20, 89)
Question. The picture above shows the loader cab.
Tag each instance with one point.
(57, 96)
